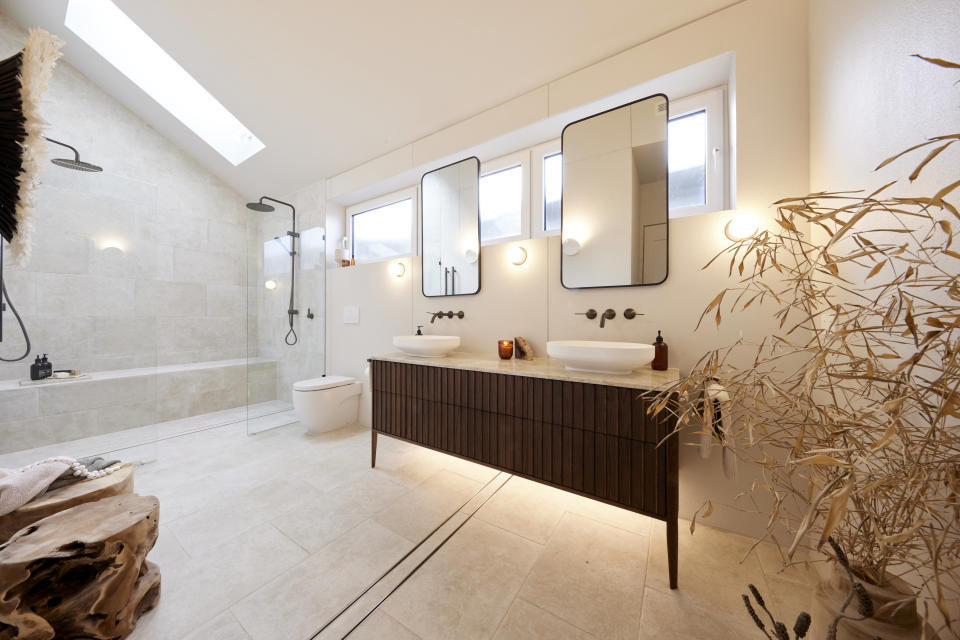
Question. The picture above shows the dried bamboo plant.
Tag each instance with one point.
(851, 408)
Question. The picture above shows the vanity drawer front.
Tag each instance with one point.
(627, 472)
(611, 411)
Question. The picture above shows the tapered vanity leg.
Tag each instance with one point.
(373, 449)
(672, 531)
(673, 504)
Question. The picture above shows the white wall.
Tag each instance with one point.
(769, 42)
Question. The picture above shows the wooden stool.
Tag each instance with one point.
(81, 573)
(116, 483)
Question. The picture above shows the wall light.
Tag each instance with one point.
(571, 247)
(741, 227)
(270, 284)
(517, 255)
(397, 269)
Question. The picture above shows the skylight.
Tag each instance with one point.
(108, 30)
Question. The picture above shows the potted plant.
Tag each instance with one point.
(851, 407)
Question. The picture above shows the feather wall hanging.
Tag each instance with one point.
(24, 78)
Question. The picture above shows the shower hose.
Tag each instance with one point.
(23, 328)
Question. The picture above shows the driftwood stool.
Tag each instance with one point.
(81, 573)
(56, 500)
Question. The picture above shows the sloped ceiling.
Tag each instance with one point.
(329, 85)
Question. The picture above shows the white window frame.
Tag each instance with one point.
(539, 153)
(410, 193)
(713, 101)
(521, 158)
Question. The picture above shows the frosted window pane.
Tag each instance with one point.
(687, 159)
(500, 203)
(383, 232)
(552, 187)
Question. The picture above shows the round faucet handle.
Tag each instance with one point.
(630, 313)
(590, 313)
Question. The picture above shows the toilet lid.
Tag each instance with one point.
(328, 382)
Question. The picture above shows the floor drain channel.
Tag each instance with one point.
(370, 599)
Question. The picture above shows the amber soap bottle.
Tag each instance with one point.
(659, 354)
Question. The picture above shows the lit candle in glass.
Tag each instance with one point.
(505, 348)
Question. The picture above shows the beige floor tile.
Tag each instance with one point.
(223, 627)
(467, 586)
(303, 599)
(418, 512)
(382, 626)
(173, 561)
(591, 574)
(527, 622)
(609, 514)
(710, 570)
(216, 581)
(313, 524)
(526, 508)
(204, 531)
(677, 616)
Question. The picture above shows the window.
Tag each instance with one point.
(552, 189)
(383, 228)
(108, 30)
(504, 196)
(546, 182)
(696, 154)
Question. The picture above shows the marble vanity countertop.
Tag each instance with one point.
(643, 378)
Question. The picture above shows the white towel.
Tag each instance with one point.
(20, 486)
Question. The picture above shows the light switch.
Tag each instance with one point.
(351, 315)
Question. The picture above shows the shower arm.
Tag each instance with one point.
(293, 233)
(76, 154)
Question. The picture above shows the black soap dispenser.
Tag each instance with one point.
(659, 354)
(47, 367)
(36, 369)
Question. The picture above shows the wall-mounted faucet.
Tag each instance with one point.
(609, 314)
(439, 314)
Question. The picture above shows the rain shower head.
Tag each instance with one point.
(75, 163)
(260, 206)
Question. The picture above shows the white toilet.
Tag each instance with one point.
(328, 403)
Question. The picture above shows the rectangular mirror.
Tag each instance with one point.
(613, 206)
(450, 205)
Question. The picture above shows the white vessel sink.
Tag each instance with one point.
(600, 357)
(427, 346)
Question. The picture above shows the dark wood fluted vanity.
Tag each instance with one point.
(585, 433)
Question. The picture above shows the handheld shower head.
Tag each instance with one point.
(76, 163)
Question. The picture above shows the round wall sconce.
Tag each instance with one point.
(397, 269)
(517, 255)
(270, 284)
(741, 227)
(471, 256)
(571, 247)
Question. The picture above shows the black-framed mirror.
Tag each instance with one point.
(450, 229)
(613, 207)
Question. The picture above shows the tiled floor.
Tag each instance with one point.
(272, 536)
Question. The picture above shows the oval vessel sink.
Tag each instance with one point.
(427, 346)
(597, 356)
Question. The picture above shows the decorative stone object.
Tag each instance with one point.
(81, 573)
(524, 350)
(117, 483)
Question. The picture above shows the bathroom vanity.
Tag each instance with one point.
(586, 433)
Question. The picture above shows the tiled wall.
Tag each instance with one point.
(141, 265)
